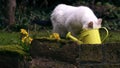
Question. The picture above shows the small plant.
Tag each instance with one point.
(25, 39)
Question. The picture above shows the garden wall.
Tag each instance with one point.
(71, 55)
(65, 54)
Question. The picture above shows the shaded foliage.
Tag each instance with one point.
(27, 10)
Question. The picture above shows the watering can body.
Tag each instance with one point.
(92, 36)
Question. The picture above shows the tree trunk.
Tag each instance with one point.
(11, 11)
(10, 6)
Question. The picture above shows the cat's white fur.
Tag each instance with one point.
(66, 18)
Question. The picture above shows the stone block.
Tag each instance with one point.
(91, 53)
(63, 51)
(8, 62)
(99, 66)
(112, 52)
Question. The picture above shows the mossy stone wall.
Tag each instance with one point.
(81, 56)
(47, 53)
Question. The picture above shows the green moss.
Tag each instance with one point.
(9, 38)
(53, 40)
(15, 50)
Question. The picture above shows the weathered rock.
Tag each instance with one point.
(80, 56)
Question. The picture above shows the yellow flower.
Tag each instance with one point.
(25, 36)
(30, 40)
(23, 39)
(27, 40)
(23, 31)
(55, 36)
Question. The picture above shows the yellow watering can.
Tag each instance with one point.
(89, 36)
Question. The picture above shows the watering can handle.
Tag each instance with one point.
(107, 33)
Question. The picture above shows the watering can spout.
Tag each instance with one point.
(73, 38)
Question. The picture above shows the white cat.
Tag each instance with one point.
(72, 19)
